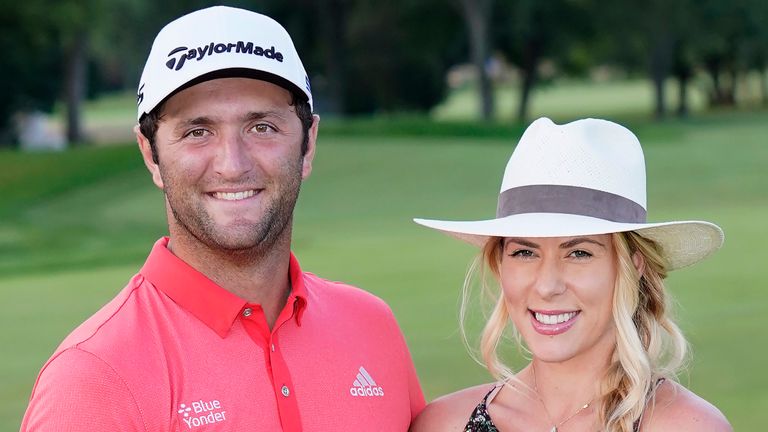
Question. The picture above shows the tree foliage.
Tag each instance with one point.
(30, 62)
(367, 56)
(530, 31)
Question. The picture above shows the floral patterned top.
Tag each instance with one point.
(480, 420)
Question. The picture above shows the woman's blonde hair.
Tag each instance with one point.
(649, 345)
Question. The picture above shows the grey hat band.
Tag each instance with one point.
(569, 200)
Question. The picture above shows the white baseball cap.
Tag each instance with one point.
(586, 177)
(219, 42)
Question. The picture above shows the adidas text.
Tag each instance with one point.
(367, 391)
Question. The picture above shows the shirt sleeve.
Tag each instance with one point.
(415, 393)
(77, 391)
(414, 388)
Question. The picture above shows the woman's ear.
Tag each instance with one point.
(639, 261)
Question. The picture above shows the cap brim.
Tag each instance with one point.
(683, 242)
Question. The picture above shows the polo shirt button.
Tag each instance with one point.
(273, 347)
(247, 312)
(285, 391)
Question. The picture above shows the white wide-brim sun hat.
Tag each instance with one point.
(586, 177)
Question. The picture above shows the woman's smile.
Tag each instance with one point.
(552, 323)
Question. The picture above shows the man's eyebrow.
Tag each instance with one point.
(258, 115)
(522, 242)
(195, 121)
(251, 116)
(578, 240)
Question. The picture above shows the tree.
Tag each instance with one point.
(477, 16)
(530, 31)
(396, 54)
(756, 44)
(655, 36)
(717, 48)
(319, 30)
(366, 56)
(30, 59)
(334, 43)
(736, 43)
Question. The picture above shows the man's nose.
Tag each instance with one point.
(233, 159)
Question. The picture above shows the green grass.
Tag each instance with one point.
(110, 117)
(29, 178)
(565, 98)
(111, 107)
(75, 226)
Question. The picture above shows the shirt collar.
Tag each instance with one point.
(203, 298)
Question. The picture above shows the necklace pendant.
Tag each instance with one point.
(554, 429)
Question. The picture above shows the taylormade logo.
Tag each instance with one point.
(177, 61)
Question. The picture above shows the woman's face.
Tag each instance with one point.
(559, 293)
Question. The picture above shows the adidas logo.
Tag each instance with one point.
(365, 386)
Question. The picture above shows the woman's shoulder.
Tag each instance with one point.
(450, 412)
(679, 409)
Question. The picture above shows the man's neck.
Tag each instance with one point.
(257, 277)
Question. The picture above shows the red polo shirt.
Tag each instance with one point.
(176, 352)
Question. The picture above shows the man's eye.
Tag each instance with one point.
(197, 133)
(262, 128)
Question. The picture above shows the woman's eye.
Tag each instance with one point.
(522, 253)
(580, 254)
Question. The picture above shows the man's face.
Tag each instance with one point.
(230, 163)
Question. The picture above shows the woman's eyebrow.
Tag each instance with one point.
(578, 240)
(522, 242)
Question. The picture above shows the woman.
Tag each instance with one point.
(581, 276)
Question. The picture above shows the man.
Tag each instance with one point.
(220, 329)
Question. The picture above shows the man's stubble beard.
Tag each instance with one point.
(193, 219)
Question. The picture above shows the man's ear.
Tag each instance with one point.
(639, 261)
(309, 155)
(146, 154)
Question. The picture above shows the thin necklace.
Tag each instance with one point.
(546, 411)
